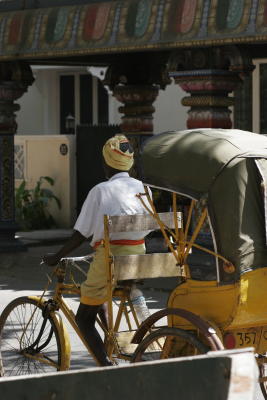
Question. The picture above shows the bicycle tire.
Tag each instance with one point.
(30, 342)
(263, 374)
(152, 348)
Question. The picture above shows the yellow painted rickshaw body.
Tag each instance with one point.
(239, 307)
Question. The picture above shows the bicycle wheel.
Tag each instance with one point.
(261, 358)
(30, 341)
(168, 343)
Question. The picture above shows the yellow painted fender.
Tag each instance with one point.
(63, 335)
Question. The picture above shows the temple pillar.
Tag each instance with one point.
(210, 76)
(209, 99)
(135, 82)
(15, 77)
(137, 115)
(138, 107)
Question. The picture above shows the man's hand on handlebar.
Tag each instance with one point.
(51, 259)
(72, 243)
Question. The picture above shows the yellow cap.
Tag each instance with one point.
(118, 153)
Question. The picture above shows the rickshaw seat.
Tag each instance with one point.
(157, 265)
(153, 265)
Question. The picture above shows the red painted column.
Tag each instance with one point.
(135, 81)
(137, 109)
(137, 114)
(209, 99)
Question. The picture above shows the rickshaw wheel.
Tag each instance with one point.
(263, 374)
(168, 343)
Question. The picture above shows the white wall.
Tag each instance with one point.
(30, 117)
(43, 157)
(114, 116)
(170, 114)
(39, 106)
(39, 113)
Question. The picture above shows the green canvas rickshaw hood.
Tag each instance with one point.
(229, 169)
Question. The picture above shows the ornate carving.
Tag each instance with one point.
(209, 75)
(229, 58)
(151, 70)
(136, 85)
(17, 72)
(209, 99)
(14, 80)
(138, 107)
(19, 160)
(7, 178)
(112, 27)
(231, 16)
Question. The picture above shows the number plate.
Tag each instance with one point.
(247, 338)
(251, 337)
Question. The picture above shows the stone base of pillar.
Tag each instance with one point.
(8, 240)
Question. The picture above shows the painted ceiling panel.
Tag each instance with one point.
(132, 25)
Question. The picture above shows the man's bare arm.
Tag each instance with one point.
(72, 243)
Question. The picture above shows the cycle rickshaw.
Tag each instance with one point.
(223, 173)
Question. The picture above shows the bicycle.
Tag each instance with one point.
(33, 336)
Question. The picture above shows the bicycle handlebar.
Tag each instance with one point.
(87, 258)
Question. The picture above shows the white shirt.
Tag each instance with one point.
(117, 196)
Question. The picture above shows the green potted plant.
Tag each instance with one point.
(32, 205)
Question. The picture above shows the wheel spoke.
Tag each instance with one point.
(263, 374)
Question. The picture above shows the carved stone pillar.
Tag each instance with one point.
(209, 76)
(209, 100)
(15, 77)
(138, 109)
(137, 115)
(135, 82)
